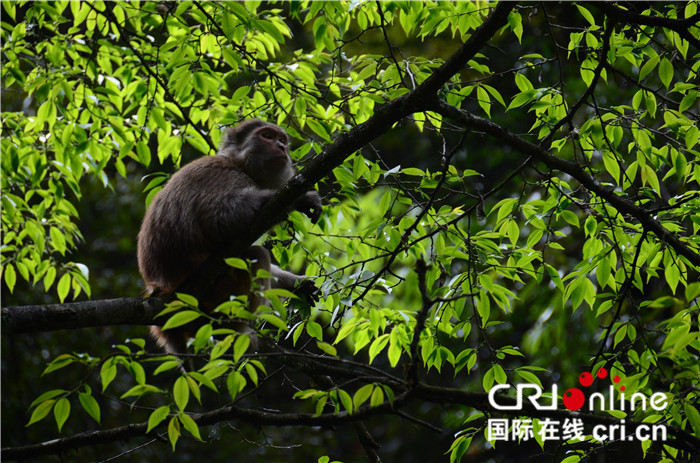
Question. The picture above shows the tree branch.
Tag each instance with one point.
(681, 26)
(644, 217)
(106, 312)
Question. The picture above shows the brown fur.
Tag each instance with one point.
(206, 203)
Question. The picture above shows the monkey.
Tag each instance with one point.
(204, 205)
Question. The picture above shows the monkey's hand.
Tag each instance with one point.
(310, 204)
(308, 290)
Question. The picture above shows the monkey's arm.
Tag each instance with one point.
(231, 215)
(240, 208)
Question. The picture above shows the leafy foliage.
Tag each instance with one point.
(472, 258)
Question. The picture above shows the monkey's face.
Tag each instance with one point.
(266, 156)
(274, 145)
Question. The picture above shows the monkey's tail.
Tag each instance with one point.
(153, 290)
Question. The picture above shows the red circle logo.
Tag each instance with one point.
(573, 399)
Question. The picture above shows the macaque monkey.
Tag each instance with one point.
(208, 202)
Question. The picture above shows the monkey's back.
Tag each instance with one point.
(187, 220)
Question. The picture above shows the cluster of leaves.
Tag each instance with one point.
(117, 83)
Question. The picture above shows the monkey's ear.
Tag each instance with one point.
(229, 138)
(242, 131)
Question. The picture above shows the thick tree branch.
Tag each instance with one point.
(681, 26)
(107, 312)
(527, 148)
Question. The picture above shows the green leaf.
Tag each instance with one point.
(314, 330)
(63, 287)
(327, 348)
(271, 29)
(181, 318)
(529, 377)
(205, 380)
(181, 392)
(237, 262)
(413, 171)
(138, 372)
(586, 14)
(157, 417)
(666, 72)
(394, 353)
(693, 417)
(90, 405)
(188, 299)
(484, 100)
(220, 348)
(274, 320)
(377, 397)
(252, 373)
(47, 395)
(515, 21)
(235, 383)
(108, 372)
(688, 101)
(572, 459)
(61, 411)
(361, 395)
(648, 67)
(173, 431)
(377, 346)
(58, 363)
(487, 380)
(10, 276)
(189, 424)
(499, 374)
(611, 165)
(344, 331)
(41, 411)
(240, 347)
(166, 366)
(346, 400)
(57, 240)
(483, 307)
(202, 337)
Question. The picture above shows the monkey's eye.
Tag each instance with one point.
(267, 135)
(283, 140)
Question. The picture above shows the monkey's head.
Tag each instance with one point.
(261, 150)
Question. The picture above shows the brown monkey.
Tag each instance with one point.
(206, 203)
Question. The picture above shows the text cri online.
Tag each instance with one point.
(504, 429)
(570, 429)
(643, 432)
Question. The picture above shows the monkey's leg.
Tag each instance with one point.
(260, 260)
(283, 279)
(300, 285)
